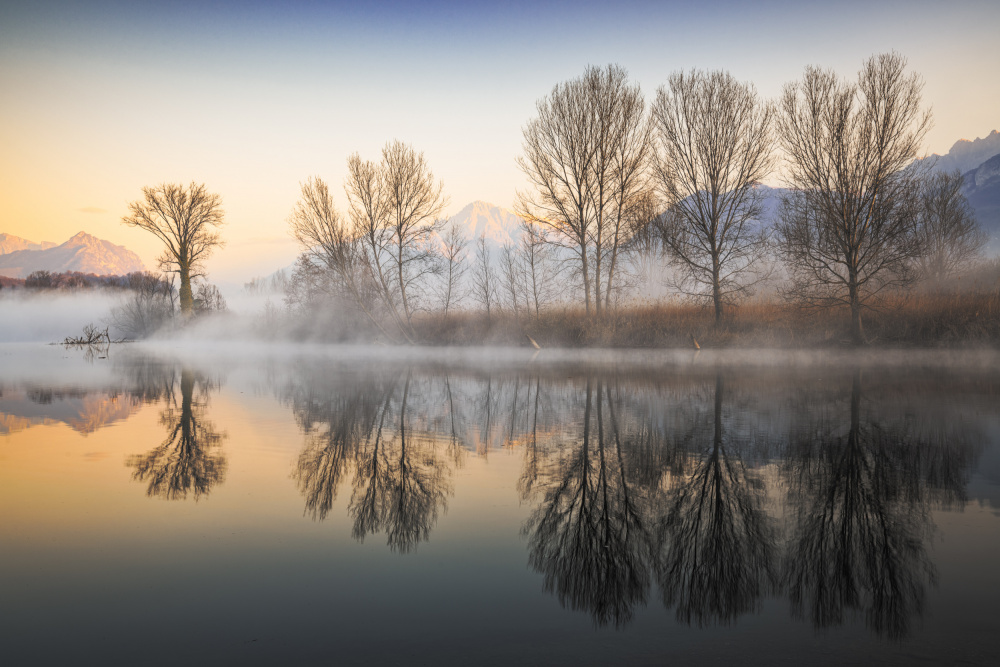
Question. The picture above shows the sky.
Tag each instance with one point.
(98, 99)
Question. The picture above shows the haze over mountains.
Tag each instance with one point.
(978, 160)
(499, 226)
(83, 253)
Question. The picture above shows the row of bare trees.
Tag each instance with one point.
(616, 188)
(381, 252)
(857, 218)
(619, 188)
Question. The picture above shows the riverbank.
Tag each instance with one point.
(940, 320)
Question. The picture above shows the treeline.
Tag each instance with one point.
(623, 192)
(627, 197)
(148, 301)
(50, 280)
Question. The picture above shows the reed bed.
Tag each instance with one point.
(916, 320)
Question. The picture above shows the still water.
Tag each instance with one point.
(374, 506)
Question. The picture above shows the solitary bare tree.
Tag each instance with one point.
(185, 219)
(949, 234)
(715, 148)
(847, 228)
(586, 156)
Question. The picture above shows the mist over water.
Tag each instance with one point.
(51, 316)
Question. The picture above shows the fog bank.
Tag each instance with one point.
(51, 316)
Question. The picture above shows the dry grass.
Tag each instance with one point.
(970, 319)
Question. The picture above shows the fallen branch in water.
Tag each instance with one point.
(92, 336)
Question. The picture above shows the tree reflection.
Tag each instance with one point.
(399, 483)
(659, 483)
(589, 536)
(862, 520)
(400, 478)
(334, 429)
(188, 459)
(716, 553)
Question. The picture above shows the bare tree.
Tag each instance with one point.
(847, 229)
(394, 206)
(949, 234)
(715, 147)
(454, 245)
(209, 298)
(185, 220)
(622, 171)
(540, 274)
(512, 281)
(645, 246)
(585, 156)
(147, 306)
(331, 247)
(484, 279)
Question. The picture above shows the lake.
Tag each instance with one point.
(184, 504)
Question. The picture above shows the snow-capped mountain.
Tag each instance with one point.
(498, 225)
(982, 188)
(966, 155)
(83, 253)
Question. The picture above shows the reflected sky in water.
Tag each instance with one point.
(363, 506)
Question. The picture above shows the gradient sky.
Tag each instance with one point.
(98, 99)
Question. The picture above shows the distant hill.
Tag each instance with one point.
(10, 243)
(83, 253)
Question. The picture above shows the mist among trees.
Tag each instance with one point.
(643, 222)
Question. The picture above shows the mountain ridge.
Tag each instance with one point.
(965, 155)
(10, 243)
(82, 252)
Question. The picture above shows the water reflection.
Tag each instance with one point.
(861, 493)
(716, 546)
(718, 496)
(190, 459)
(590, 535)
(400, 468)
(700, 492)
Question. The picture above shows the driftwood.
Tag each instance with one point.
(92, 336)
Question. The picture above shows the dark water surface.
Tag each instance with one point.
(366, 506)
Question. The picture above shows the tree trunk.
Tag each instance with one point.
(857, 331)
(187, 401)
(186, 295)
(716, 291)
(597, 279)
